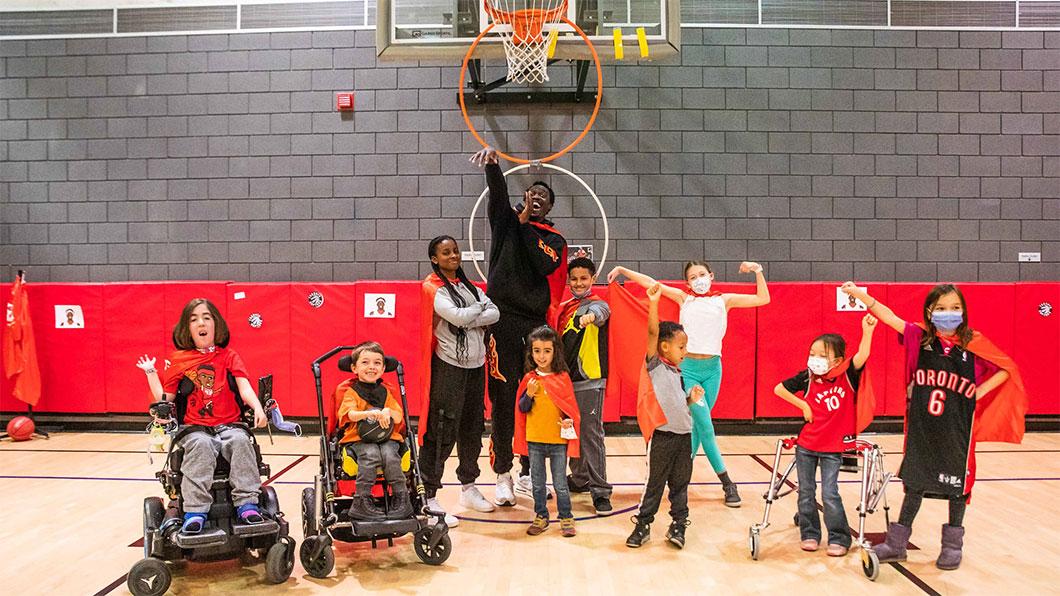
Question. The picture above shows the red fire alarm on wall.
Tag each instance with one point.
(344, 102)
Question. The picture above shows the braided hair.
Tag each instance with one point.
(459, 332)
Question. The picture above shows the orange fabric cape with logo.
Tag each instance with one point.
(561, 391)
(20, 349)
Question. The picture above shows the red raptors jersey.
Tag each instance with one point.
(834, 411)
(212, 402)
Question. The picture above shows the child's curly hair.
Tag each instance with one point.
(545, 333)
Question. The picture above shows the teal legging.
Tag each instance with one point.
(707, 374)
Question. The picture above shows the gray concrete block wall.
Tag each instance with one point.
(879, 155)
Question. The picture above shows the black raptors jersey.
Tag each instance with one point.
(938, 429)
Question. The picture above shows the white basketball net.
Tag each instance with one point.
(525, 42)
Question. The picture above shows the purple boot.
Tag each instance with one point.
(893, 548)
(952, 542)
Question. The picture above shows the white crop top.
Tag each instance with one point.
(704, 319)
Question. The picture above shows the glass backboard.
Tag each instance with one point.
(433, 29)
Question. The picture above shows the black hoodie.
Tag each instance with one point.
(521, 255)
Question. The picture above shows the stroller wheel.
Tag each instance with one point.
(870, 564)
(432, 555)
(309, 521)
(279, 561)
(149, 577)
(754, 540)
(318, 566)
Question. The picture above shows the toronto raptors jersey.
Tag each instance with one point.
(938, 429)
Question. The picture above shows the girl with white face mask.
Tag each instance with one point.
(704, 316)
(825, 392)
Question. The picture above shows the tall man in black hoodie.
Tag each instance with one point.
(527, 273)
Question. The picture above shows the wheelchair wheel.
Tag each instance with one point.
(279, 561)
(309, 520)
(421, 542)
(323, 563)
(154, 513)
(149, 577)
(870, 564)
(795, 519)
(754, 540)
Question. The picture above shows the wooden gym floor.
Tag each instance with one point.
(71, 510)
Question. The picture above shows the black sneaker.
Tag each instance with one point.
(602, 505)
(732, 496)
(676, 533)
(640, 535)
(574, 487)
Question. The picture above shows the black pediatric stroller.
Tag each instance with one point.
(222, 537)
(325, 505)
(864, 459)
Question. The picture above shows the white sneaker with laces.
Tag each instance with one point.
(525, 486)
(471, 498)
(450, 519)
(504, 495)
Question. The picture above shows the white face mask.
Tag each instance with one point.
(817, 365)
(701, 285)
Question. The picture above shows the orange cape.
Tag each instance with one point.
(561, 391)
(427, 343)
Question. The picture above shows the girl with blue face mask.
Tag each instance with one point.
(949, 368)
(704, 316)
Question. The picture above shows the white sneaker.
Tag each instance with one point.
(504, 495)
(525, 486)
(471, 498)
(450, 519)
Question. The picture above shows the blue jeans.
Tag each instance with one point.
(557, 458)
(835, 517)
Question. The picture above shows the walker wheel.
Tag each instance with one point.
(320, 565)
(149, 577)
(279, 561)
(754, 539)
(870, 564)
(436, 555)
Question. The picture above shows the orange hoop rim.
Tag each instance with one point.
(532, 19)
(588, 125)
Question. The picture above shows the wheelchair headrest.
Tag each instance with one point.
(390, 363)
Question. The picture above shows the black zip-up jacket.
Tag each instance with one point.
(521, 255)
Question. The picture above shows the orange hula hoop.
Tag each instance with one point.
(588, 125)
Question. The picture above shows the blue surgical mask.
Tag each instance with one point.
(947, 321)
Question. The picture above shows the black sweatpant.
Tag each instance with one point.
(455, 419)
(510, 336)
(669, 464)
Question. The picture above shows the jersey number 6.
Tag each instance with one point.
(937, 402)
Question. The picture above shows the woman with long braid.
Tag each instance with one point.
(458, 316)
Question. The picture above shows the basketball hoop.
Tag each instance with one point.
(524, 45)
(527, 31)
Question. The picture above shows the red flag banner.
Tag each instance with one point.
(20, 351)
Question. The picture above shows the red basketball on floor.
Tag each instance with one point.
(20, 428)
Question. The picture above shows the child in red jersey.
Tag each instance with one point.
(825, 391)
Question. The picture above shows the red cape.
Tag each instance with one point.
(561, 391)
(427, 343)
(629, 321)
(20, 349)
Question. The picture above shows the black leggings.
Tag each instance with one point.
(911, 505)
